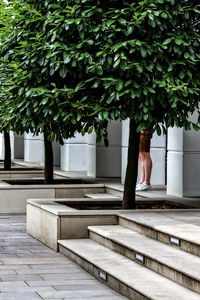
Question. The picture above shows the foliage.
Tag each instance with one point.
(37, 82)
(143, 61)
(66, 62)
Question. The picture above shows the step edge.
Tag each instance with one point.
(124, 281)
(107, 272)
(155, 229)
(148, 255)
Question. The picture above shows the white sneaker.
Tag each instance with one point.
(138, 186)
(144, 187)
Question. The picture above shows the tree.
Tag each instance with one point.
(5, 129)
(144, 65)
(111, 59)
(36, 83)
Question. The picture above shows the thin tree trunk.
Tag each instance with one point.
(132, 168)
(48, 161)
(7, 149)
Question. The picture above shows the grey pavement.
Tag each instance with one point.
(30, 270)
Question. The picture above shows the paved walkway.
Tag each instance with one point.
(29, 270)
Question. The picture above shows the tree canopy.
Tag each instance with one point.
(37, 81)
(67, 64)
(146, 62)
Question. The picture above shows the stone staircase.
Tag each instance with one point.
(143, 257)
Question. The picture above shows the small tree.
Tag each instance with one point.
(36, 80)
(143, 65)
(5, 129)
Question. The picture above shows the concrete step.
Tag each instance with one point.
(100, 196)
(162, 227)
(115, 189)
(168, 261)
(121, 274)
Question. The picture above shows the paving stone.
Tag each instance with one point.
(49, 271)
(7, 272)
(7, 255)
(37, 261)
(14, 267)
(67, 264)
(37, 255)
(76, 294)
(88, 287)
(97, 298)
(13, 251)
(42, 248)
(20, 277)
(11, 284)
(14, 241)
(19, 296)
(83, 275)
(62, 282)
(16, 288)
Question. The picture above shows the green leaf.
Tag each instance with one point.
(186, 55)
(122, 21)
(44, 100)
(133, 95)
(139, 68)
(167, 41)
(91, 130)
(63, 71)
(116, 63)
(20, 92)
(179, 41)
(83, 131)
(119, 85)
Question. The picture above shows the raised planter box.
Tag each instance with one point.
(52, 220)
(13, 197)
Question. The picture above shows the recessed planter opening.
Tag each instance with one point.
(38, 181)
(21, 169)
(103, 205)
(93, 204)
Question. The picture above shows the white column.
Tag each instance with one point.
(32, 147)
(105, 161)
(18, 146)
(183, 163)
(56, 152)
(125, 138)
(1, 146)
(74, 154)
(157, 151)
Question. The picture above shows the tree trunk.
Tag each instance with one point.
(48, 161)
(7, 151)
(132, 168)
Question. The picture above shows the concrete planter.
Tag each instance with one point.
(14, 197)
(50, 221)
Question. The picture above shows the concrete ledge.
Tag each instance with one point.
(66, 222)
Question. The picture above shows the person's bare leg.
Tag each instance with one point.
(147, 167)
(142, 167)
